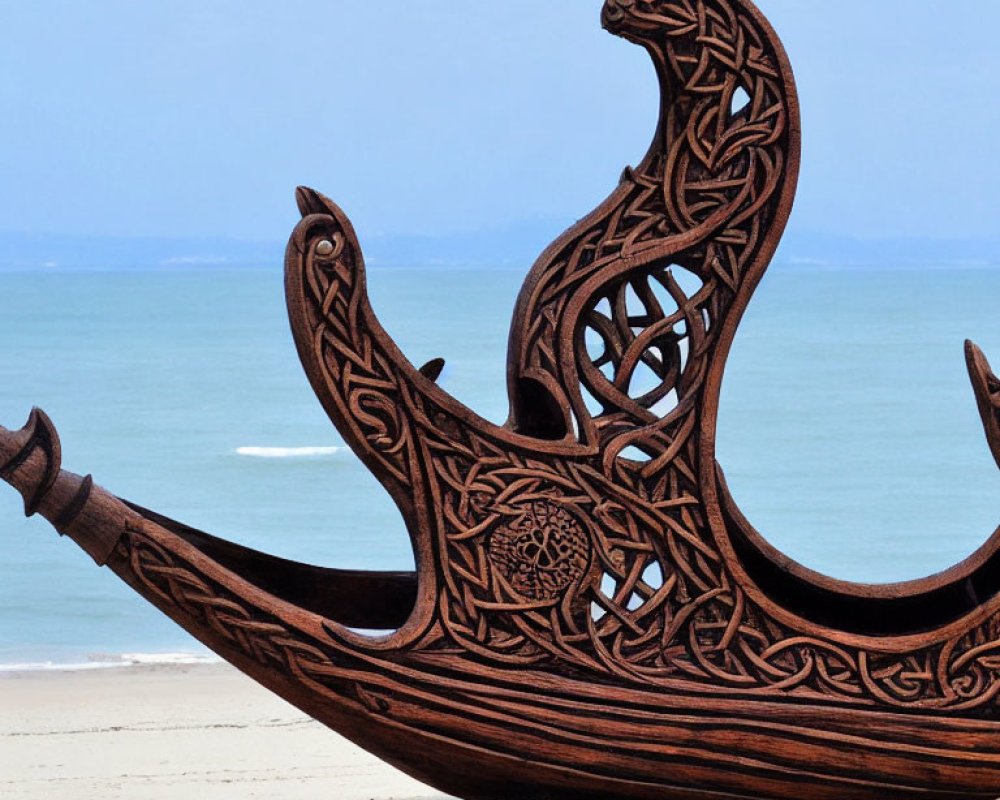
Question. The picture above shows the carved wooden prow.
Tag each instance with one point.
(591, 615)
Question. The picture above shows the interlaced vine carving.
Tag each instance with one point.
(178, 584)
(601, 557)
(590, 613)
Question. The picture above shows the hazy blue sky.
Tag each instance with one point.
(194, 117)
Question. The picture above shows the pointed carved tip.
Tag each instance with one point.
(987, 390)
(306, 200)
(30, 459)
(432, 369)
(980, 372)
(310, 201)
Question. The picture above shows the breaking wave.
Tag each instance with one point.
(288, 452)
(120, 661)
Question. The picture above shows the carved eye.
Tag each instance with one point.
(324, 248)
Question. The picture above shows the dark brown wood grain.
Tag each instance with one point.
(591, 615)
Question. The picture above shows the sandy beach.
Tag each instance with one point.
(154, 733)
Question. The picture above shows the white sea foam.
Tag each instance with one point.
(114, 662)
(288, 452)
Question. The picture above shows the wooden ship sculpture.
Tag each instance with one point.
(590, 616)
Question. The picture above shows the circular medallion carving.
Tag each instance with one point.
(542, 551)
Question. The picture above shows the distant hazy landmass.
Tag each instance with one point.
(515, 247)
(60, 251)
(827, 250)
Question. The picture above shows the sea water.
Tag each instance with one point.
(848, 430)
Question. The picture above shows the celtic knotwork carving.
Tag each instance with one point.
(621, 322)
(179, 585)
(541, 551)
(582, 570)
(637, 337)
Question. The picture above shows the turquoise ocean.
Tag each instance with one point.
(848, 429)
